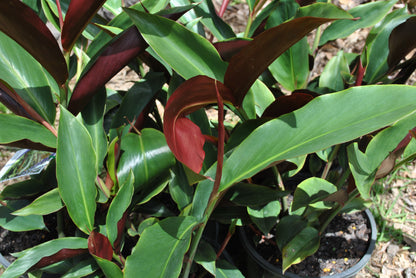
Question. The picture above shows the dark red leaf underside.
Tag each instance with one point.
(247, 65)
(22, 24)
(227, 49)
(59, 256)
(184, 137)
(79, 14)
(115, 57)
(120, 232)
(401, 41)
(286, 104)
(7, 98)
(100, 246)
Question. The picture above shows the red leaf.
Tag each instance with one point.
(286, 104)
(184, 137)
(406, 140)
(118, 54)
(227, 49)
(7, 97)
(401, 41)
(120, 231)
(253, 59)
(100, 246)
(22, 24)
(59, 256)
(79, 14)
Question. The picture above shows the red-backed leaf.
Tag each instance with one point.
(100, 246)
(227, 49)
(27, 144)
(79, 14)
(303, 3)
(22, 24)
(253, 59)
(120, 51)
(406, 140)
(7, 98)
(286, 104)
(182, 135)
(59, 256)
(120, 232)
(401, 41)
(221, 140)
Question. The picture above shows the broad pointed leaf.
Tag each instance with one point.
(32, 256)
(78, 16)
(19, 223)
(226, 270)
(27, 77)
(182, 135)
(100, 246)
(265, 217)
(76, 170)
(188, 53)
(23, 25)
(8, 99)
(303, 131)
(118, 207)
(109, 268)
(310, 191)
(252, 60)
(366, 15)
(16, 128)
(286, 104)
(45, 204)
(332, 76)
(115, 56)
(164, 259)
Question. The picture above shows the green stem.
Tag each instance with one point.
(193, 248)
(60, 224)
(339, 207)
(330, 161)
(281, 186)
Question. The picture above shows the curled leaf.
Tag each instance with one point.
(100, 246)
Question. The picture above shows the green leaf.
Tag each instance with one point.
(367, 14)
(265, 217)
(147, 155)
(173, 236)
(179, 188)
(248, 194)
(226, 270)
(258, 98)
(311, 191)
(188, 53)
(118, 206)
(364, 165)
(334, 73)
(206, 256)
(287, 228)
(304, 244)
(93, 119)
(19, 223)
(27, 77)
(320, 9)
(76, 170)
(302, 131)
(291, 69)
(45, 204)
(31, 256)
(109, 268)
(82, 269)
(378, 50)
(15, 128)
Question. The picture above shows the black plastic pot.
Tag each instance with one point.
(272, 271)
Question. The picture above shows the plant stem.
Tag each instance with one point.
(193, 248)
(330, 161)
(281, 186)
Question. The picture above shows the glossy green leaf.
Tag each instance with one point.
(27, 77)
(22, 24)
(109, 268)
(15, 128)
(378, 50)
(146, 223)
(285, 11)
(226, 270)
(45, 204)
(334, 73)
(179, 188)
(164, 259)
(147, 155)
(82, 269)
(291, 69)
(93, 119)
(320, 9)
(114, 6)
(31, 256)
(364, 165)
(287, 228)
(19, 223)
(265, 217)
(118, 206)
(366, 14)
(189, 54)
(304, 244)
(206, 256)
(76, 170)
(310, 191)
(302, 131)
